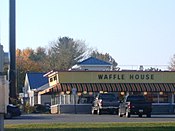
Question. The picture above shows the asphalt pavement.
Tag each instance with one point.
(57, 118)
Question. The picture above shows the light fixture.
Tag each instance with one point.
(62, 93)
(90, 93)
(101, 91)
(84, 92)
(145, 93)
(122, 93)
(79, 93)
(161, 93)
(67, 92)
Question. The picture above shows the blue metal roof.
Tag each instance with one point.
(36, 80)
(93, 61)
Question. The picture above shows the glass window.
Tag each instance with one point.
(54, 100)
(67, 99)
(55, 78)
(152, 97)
(88, 99)
(164, 97)
(62, 99)
(159, 97)
(51, 79)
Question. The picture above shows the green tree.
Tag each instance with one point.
(106, 57)
(65, 52)
(172, 64)
(40, 56)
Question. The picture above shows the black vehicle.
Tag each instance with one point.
(39, 108)
(12, 111)
(86, 99)
(105, 102)
(135, 105)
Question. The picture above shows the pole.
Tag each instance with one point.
(75, 103)
(1, 122)
(74, 92)
(12, 48)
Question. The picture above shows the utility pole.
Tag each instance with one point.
(12, 49)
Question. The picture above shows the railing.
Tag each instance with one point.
(144, 67)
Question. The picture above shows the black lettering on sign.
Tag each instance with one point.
(147, 77)
(114, 76)
(131, 77)
(122, 76)
(142, 77)
(110, 76)
(100, 77)
(137, 77)
(105, 77)
(152, 77)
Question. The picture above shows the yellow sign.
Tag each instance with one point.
(116, 77)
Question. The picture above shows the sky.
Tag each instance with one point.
(133, 32)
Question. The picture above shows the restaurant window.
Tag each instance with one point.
(152, 97)
(158, 97)
(63, 99)
(55, 99)
(73, 99)
(51, 79)
(164, 97)
(55, 78)
(85, 99)
(58, 100)
(67, 99)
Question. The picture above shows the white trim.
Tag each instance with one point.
(54, 105)
(96, 65)
(69, 104)
(163, 104)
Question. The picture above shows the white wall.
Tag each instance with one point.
(45, 99)
(1, 58)
(96, 68)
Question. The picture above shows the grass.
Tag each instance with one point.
(160, 126)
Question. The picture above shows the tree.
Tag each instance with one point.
(153, 69)
(106, 57)
(40, 56)
(172, 64)
(61, 55)
(65, 52)
(25, 63)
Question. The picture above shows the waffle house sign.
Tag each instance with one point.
(123, 76)
(115, 77)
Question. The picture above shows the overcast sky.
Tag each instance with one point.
(133, 32)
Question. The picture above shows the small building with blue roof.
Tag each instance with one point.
(35, 82)
(93, 63)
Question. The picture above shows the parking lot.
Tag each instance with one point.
(54, 118)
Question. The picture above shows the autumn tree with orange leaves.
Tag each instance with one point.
(26, 61)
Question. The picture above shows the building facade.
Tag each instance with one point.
(4, 59)
(35, 82)
(92, 64)
(157, 86)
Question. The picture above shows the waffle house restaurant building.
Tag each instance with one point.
(67, 87)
